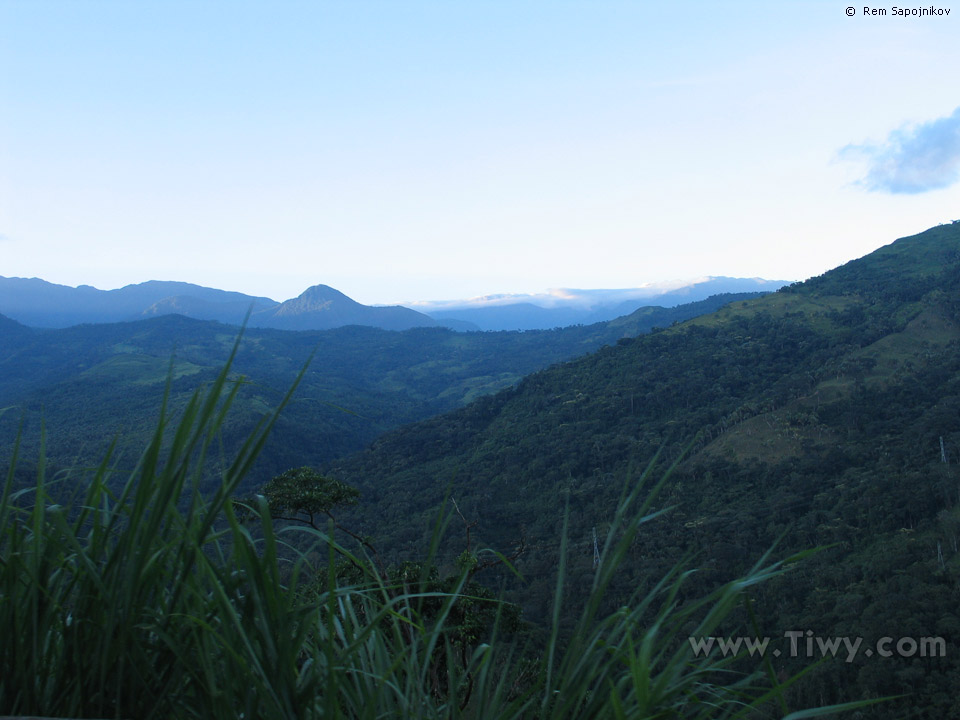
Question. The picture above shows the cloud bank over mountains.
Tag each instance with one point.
(559, 307)
(914, 159)
(565, 297)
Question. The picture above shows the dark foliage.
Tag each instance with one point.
(808, 418)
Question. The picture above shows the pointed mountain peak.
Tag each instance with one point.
(319, 298)
(323, 292)
(321, 307)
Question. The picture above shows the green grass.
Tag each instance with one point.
(813, 312)
(139, 369)
(771, 437)
(138, 597)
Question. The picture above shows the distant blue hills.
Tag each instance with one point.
(563, 307)
(39, 303)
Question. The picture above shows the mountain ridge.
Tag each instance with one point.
(38, 303)
(818, 416)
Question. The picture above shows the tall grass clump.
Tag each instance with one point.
(110, 604)
(143, 597)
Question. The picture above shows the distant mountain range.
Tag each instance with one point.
(565, 306)
(38, 303)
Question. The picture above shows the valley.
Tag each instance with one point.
(824, 417)
(90, 384)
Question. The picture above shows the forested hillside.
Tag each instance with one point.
(91, 384)
(826, 415)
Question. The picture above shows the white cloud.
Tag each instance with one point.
(914, 159)
(560, 297)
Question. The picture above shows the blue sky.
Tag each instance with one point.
(405, 151)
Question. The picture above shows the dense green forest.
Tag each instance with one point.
(826, 415)
(151, 595)
(90, 384)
